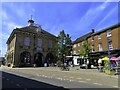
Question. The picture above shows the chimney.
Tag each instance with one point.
(93, 30)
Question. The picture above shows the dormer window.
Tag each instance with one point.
(39, 29)
(109, 33)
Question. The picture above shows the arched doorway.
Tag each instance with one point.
(25, 58)
(49, 59)
(38, 59)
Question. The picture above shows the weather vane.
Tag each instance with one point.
(31, 17)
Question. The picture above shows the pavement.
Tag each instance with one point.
(92, 76)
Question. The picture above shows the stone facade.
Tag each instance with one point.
(30, 45)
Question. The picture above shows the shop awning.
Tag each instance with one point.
(105, 59)
(115, 58)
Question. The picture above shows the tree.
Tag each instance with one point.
(84, 52)
(62, 47)
(68, 42)
(85, 48)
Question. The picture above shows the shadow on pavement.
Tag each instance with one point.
(14, 82)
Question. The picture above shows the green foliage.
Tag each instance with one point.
(63, 45)
(85, 48)
(107, 65)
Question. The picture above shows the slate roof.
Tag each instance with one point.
(29, 29)
(82, 38)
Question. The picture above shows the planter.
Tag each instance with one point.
(110, 72)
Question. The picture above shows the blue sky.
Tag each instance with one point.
(76, 18)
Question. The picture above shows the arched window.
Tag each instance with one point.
(27, 41)
(25, 57)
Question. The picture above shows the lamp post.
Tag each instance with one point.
(108, 52)
(108, 47)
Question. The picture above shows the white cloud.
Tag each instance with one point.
(4, 36)
(33, 10)
(60, 0)
(7, 26)
(107, 16)
(11, 25)
(90, 16)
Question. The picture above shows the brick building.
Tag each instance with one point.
(30, 45)
(105, 42)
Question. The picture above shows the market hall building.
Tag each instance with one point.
(30, 45)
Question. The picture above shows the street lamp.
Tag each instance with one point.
(108, 51)
(108, 47)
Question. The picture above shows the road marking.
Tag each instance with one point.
(64, 79)
(79, 78)
(45, 76)
(71, 77)
(59, 78)
(18, 85)
(37, 74)
(49, 77)
(97, 83)
(82, 81)
(88, 79)
(71, 80)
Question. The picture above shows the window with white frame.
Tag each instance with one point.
(93, 48)
(99, 36)
(110, 45)
(27, 41)
(40, 43)
(109, 33)
(100, 47)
